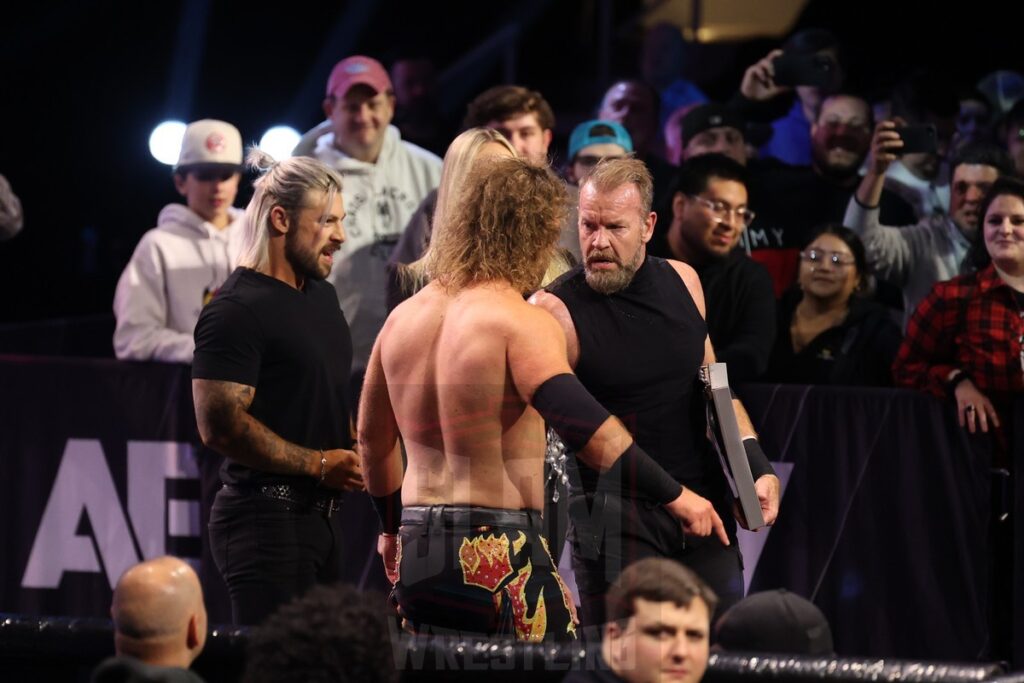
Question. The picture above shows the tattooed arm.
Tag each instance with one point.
(225, 425)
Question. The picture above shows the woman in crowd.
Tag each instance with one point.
(407, 259)
(966, 339)
(829, 331)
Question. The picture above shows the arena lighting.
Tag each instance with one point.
(165, 142)
(279, 141)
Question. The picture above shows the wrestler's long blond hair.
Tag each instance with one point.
(282, 183)
(503, 227)
(458, 161)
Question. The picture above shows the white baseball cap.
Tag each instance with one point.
(209, 141)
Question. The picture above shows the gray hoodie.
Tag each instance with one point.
(175, 268)
(380, 199)
(913, 257)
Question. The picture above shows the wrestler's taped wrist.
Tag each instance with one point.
(389, 510)
(759, 464)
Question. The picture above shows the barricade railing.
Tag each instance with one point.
(68, 647)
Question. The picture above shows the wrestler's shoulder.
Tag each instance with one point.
(547, 301)
(513, 316)
(686, 272)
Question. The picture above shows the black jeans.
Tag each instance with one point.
(269, 551)
(483, 571)
(611, 533)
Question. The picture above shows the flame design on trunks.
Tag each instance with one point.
(530, 629)
(485, 561)
(566, 595)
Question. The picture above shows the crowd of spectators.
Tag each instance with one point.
(839, 239)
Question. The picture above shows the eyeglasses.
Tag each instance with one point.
(819, 255)
(589, 160)
(722, 211)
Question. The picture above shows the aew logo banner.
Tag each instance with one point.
(98, 471)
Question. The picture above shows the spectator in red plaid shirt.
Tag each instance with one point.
(966, 336)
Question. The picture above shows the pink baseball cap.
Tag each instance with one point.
(356, 70)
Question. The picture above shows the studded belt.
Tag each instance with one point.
(321, 500)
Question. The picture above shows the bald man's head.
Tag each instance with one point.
(158, 613)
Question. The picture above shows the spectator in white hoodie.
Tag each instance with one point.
(385, 177)
(178, 266)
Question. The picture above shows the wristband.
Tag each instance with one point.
(639, 473)
(323, 467)
(389, 509)
(759, 465)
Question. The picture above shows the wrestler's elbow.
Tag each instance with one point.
(609, 442)
(374, 447)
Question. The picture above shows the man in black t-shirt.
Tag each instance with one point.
(269, 379)
(709, 214)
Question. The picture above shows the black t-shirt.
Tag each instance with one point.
(294, 347)
(740, 307)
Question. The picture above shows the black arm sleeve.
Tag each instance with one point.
(570, 410)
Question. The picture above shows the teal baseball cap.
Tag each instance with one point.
(598, 132)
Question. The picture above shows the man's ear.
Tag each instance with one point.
(192, 639)
(279, 219)
(648, 233)
(548, 136)
(678, 204)
(612, 634)
(328, 106)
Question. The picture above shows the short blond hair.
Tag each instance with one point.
(610, 174)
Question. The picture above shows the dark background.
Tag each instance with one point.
(85, 82)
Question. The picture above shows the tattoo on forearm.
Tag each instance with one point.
(223, 411)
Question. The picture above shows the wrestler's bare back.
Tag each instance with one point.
(456, 367)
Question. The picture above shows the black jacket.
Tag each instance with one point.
(858, 352)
